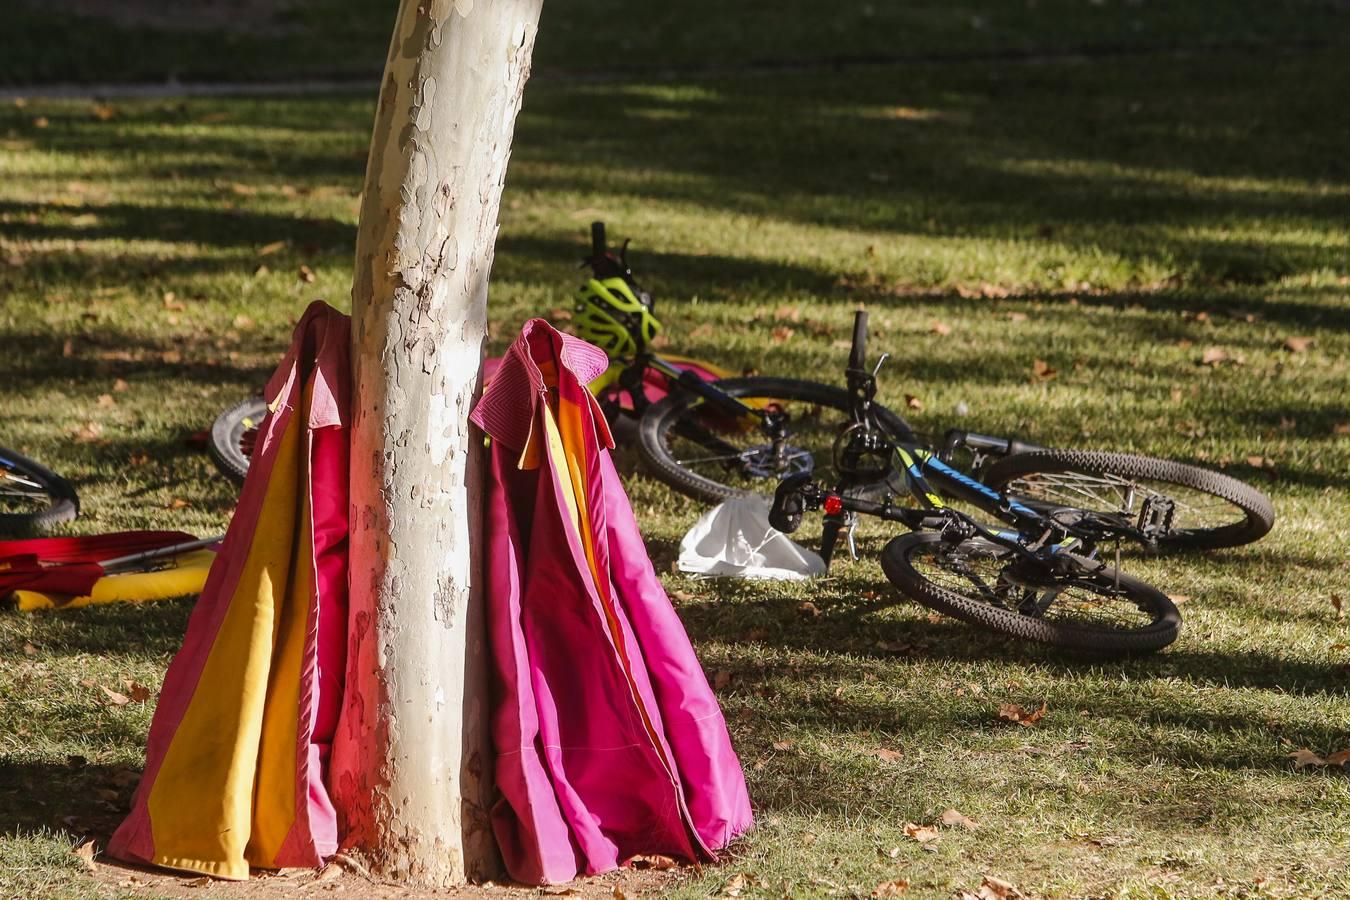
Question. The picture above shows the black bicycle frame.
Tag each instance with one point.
(929, 477)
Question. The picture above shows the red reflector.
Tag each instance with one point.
(833, 505)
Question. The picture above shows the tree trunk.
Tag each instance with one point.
(412, 765)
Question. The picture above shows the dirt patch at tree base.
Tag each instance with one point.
(337, 879)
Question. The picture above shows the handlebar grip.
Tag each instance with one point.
(857, 356)
(598, 239)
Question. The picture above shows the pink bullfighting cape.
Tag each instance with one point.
(609, 740)
(238, 748)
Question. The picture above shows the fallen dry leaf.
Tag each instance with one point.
(29, 649)
(89, 431)
(1179, 598)
(243, 322)
(807, 608)
(1341, 429)
(1298, 344)
(653, 861)
(171, 357)
(992, 888)
(106, 400)
(885, 755)
(924, 834)
(269, 249)
(1042, 370)
(1213, 356)
(41, 122)
(1337, 605)
(1260, 462)
(952, 818)
(941, 328)
(782, 745)
(781, 334)
(913, 402)
(721, 678)
(85, 854)
(115, 697)
(1014, 713)
(1305, 757)
(1339, 758)
(172, 303)
(138, 692)
(177, 503)
(892, 888)
(306, 274)
(787, 314)
(1017, 317)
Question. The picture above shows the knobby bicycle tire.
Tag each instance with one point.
(64, 506)
(657, 422)
(1161, 630)
(228, 437)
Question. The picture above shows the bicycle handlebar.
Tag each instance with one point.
(857, 356)
(598, 248)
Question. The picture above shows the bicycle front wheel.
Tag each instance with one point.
(1210, 510)
(32, 495)
(700, 450)
(1081, 605)
(233, 435)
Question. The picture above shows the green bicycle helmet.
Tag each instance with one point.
(611, 316)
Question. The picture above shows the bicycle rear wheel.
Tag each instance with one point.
(1083, 606)
(1210, 510)
(233, 435)
(699, 450)
(32, 495)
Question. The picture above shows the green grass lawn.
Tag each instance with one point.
(1114, 218)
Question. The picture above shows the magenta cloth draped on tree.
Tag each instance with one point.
(609, 741)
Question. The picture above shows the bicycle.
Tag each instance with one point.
(1041, 580)
(708, 439)
(33, 496)
(707, 436)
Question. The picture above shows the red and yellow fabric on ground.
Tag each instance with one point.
(185, 576)
(235, 763)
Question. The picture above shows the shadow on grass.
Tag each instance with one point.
(79, 797)
(848, 631)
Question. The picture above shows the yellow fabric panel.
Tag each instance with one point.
(274, 788)
(557, 452)
(207, 774)
(186, 576)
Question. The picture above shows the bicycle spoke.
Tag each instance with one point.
(1085, 600)
(1116, 494)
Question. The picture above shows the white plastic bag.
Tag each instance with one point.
(735, 539)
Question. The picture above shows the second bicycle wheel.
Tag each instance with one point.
(32, 495)
(1081, 605)
(233, 435)
(702, 451)
(1210, 510)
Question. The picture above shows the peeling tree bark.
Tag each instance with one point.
(411, 771)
